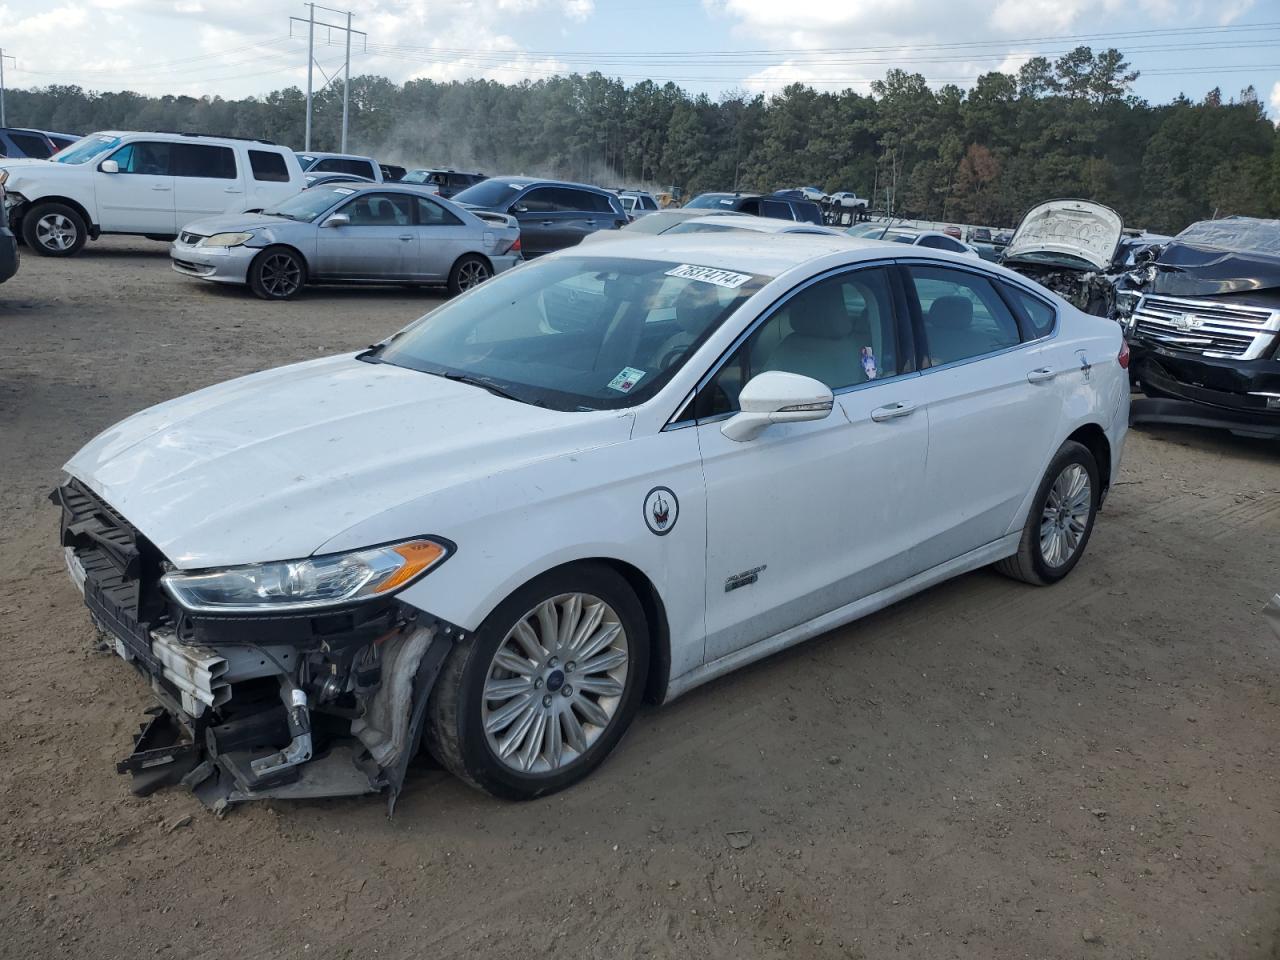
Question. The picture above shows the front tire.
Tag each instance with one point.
(535, 699)
(470, 271)
(54, 230)
(1060, 520)
(277, 273)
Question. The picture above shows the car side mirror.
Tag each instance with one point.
(109, 166)
(519, 208)
(337, 220)
(777, 397)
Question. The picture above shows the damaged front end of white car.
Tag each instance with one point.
(290, 679)
(1069, 247)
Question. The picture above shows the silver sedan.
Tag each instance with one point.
(349, 233)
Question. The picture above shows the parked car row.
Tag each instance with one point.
(19, 142)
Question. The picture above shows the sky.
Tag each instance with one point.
(241, 47)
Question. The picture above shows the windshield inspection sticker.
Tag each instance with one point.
(626, 379)
(721, 278)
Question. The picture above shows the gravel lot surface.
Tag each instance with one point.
(986, 770)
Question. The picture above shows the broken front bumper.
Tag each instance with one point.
(1239, 395)
(328, 704)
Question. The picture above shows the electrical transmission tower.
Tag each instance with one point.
(312, 23)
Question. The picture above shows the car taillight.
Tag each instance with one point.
(515, 247)
(1123, 356)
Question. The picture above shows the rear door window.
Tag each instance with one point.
(776, 208)
(963, 315)
(360, 168)
(204, 161)
(268, 166)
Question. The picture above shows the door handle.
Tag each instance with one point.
(406, 236)
(548, 223)
(1041, 375)
(160, 186)
(233, 190)
(892, 411)
(591, 223)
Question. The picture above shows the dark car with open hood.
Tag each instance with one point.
(1205, 337)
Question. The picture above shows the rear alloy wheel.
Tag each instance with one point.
(534, 700)
(54, 230)
(1060, 520)
(277, 274)
(468, 272)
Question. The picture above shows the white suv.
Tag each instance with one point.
(150, 184)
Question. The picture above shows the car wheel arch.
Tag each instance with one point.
(306, 264)
(646, 592)
(1094, 438)
(90, 223)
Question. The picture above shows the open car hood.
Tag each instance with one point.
(1082, 229)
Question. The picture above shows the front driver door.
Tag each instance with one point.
(139, 198)
(380, 242)
(808, 517)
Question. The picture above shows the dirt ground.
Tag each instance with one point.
(987, 770)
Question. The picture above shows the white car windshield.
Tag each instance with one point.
(574, 333)
(91, 147)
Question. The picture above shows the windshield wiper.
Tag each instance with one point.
(482, 384)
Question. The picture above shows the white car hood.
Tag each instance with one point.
(1077, 228)
(271, 466)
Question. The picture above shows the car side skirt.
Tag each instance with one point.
(1006, 546)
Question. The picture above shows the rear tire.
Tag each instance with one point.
(54, 230)
(277, 273)
(470, 271)
(553, 735)
(1060, 520)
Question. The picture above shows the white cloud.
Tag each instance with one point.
(1275, 102)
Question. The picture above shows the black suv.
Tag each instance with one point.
(783, 208)
(1205, 337)
(446, 182)
(17, 142)
(552, 214)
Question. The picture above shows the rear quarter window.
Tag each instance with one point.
(1035, 314)
(204, 161)
(269, 166)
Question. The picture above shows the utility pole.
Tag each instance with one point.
(3, 57)
(311, 60)
(312, 23)
(346, 85)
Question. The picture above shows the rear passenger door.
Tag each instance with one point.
(541, 215)
(991, 418)
(206, 181)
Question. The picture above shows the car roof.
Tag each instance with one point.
(399, 186)
(763, 254)
(176, 137)
(523, 182)
(321, 155)
(769, 225)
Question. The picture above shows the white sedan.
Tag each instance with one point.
(612, 474)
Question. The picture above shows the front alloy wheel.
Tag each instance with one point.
(277, 274)
(555, 683)
(54, 230)
(538, 696)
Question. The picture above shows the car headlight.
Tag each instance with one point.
(333, 580)
(225, 240)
